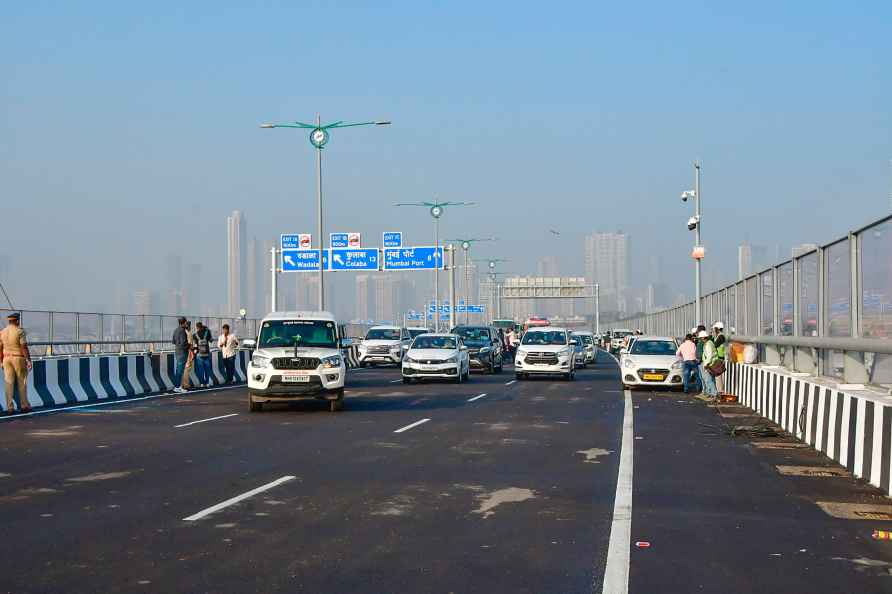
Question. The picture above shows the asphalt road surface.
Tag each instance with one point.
(491, 486)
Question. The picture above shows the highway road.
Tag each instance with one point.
(491, 486)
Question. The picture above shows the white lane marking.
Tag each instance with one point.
(396, 381)
(122, 401)
(478, 397)
(205, 420)
(415, 424)
(511, 382)
(214, 508)
(616, 573)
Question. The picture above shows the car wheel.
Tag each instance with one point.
(254, 406)
(406, 380)
(518, 376)
(337, 405)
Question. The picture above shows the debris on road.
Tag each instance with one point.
(496, 498)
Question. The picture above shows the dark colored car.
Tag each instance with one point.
(485, 347)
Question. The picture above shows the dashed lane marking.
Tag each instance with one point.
(215, 508)
(616, 574)
(415, 424)
(478, 397)
(395, 381)
(511, 382)
(205, 420)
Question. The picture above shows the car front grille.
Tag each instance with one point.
(378, 350)
(295, 363)
(541, 359)
(662, 372)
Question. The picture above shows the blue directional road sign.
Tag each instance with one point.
(393, 239)
(290, 242)
(413, 258)
(476, 309)
(302, 260)
(338, 240)
(354, 259)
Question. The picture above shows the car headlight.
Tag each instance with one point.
(677, 365)
(451, 359)
(484, 350)
(260, 361)
(408, 359)
(628, 364)
(363, 348)
(395, 348)
(330, 362)
(521, 352)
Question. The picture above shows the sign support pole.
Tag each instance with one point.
(273, 278)
(453, 305)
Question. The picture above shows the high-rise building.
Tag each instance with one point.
(145, 302)
(744, 261)
(252, 260)
(606, 263)
(363, 294)
(235, 261)
(174, 297)
(193, 290)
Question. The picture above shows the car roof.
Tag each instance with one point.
(546, 329)
(385, 327)
(439, 334)
(326, 316)
(658, 338)
(584, 332)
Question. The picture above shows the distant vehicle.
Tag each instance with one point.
(546, 350)
(383, 344)
(413, 332)
(617, 339)
(504, 324)
(485, 347)
(535, 322)
(297, 356)
(436, 356)
(651, 361)
(589, 350)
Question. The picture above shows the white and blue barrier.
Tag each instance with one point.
(57, 382)
(853, 427)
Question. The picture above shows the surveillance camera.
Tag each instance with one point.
(687, 194)
(692, 223)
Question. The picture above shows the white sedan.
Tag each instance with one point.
(436, 356)
(651, 361)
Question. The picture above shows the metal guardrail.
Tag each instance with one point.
(825, 311)
(52, 333)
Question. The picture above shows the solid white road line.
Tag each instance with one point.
(396, 381)
(205, 420)
(62, 409)
(415, 424)
(237, 498)
(616, 574)
(511, 382)
(478, 397)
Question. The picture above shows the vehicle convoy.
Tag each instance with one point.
(651, 361)
(587, 342)
(383, 344)
(436, 356)
(297, 356)
(485, 348)
(618, 339)
(546, 351)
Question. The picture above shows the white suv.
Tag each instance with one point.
(297, 356)
(384, 344)
(547, 351)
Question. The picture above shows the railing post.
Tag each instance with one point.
(51, 332)
(854, 370)
(822, 354)
(123, 333)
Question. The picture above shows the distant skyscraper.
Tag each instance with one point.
(145, 302)
(193, 291)
(235, 261)
(744, 261)
(264, 273)
(606, 263)
(363, 292)
(252, 288)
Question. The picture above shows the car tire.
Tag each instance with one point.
(458, 377)
(407, 380)
(254, 406)
(338, 404)
(519, 376)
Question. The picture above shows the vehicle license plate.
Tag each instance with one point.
(653, 376)
(427, 367)
(296, 379)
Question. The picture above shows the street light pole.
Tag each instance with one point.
(466, 247)
(697, 285)
(318, 138)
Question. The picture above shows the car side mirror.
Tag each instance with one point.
(463, 348)
(248, 344)
(574, 342)
(346, 342)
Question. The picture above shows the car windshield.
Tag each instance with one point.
(383, 334)
(584, 338)
(301, 333)
(550, 337)
(434, 342)
(473, 334)
(622, 334)
(413, 332)
(653, 347)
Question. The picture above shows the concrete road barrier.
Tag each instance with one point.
(854, 428)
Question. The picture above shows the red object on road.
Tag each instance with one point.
(642, 544)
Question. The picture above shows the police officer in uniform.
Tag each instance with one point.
(16, 361)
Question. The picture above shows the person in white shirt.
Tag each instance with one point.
(228, 344)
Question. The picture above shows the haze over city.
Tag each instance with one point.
(130, 134)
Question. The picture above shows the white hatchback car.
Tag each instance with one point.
(546, 350)
(440, 356)
(651, 361)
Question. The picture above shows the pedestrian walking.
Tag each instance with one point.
(202, 347)
(721, 347)
(16, 361)
(186, 384)
(687, 352)
(706, 360)
(180, 354)
(228, 344)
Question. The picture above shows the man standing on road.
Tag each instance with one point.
(708, 358)
(190, 359)
(180, 354)
(228, 344)
(721, 347)
(201, 345)
(16, 360)
(687, 352)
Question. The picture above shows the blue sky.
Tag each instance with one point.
(129, 131)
